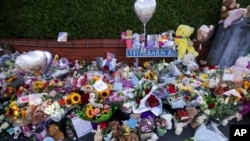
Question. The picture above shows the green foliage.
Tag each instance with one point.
(98, 18)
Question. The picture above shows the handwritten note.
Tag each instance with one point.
(100, 85)
(82, 127)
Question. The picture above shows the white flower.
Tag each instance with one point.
(207, 112)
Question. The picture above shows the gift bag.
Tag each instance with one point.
(230, 43)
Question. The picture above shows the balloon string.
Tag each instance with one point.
(144, 26)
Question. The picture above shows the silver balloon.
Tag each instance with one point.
(32, 61)
(145, 9)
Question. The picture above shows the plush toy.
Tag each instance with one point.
(190, 62)
(136, 41)
(236, 116)
(204, 33)
(228, 5)
(198, 121)
(182, 39)
(239, 69)
(234, 15)
(98, 134)
(55, 132)
(166, 40)
(247, 14)
(17, 131)
(192, 112)
(132, 137)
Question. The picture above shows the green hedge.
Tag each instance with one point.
(99, 18)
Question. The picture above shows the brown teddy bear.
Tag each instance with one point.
(228, 5)
(55, 132)
(247, 15)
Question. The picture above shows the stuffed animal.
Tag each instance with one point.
(55, 132)
(166, 40)
(198, 121)
(190, 62)
(136, 41)
(239, 69)
(228, 5)
(192, 112)
(183, 42)
(204, 33)
(247, 14)
(98, 134)
(17, 132)
(132, 137)
(234, 15)
(236, 116)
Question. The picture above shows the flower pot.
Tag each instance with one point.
(161, 131)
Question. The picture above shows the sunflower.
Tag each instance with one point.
(104, 112)
(104, 94)
(75, 98)
(88, 112)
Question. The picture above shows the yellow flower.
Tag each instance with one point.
(104, 94)
(105, 112)
(68, 99)
(203, 76)
(96, 78)
(89, 111)
(75, 98)
(205, 84)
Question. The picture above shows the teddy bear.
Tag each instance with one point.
(190, 62)
(55, 132)
(200, 119)
(228, 5)
(204, 33)
(247, 14)
(239, 69)
(183, 42)
(234, 15)
(236, 116)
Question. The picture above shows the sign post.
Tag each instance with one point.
(149, 53)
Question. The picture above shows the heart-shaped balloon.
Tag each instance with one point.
(32, 61)
(145, 9)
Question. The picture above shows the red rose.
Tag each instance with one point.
(103, 125)
(147, 91)
(153, 101)
(211, 105)
(138, 100)
(62, 102)
(84, 98)
(171, 89)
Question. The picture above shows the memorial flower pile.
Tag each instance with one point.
(95, 95)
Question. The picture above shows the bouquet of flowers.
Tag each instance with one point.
(145, 125)
(161, 123)
(161, 126)
(118, 98)
(217, 108)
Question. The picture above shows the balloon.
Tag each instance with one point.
(145, 9)
(33, 61)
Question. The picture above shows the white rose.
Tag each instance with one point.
(207, 112)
